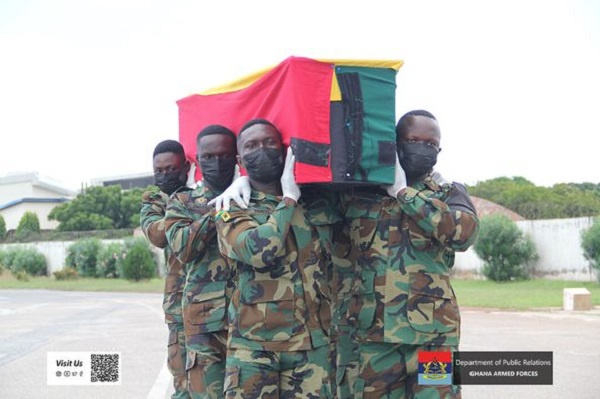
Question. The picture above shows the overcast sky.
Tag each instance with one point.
(88, 87)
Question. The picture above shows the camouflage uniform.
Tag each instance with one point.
(401, 297)
(191, 233)
(280, 311)
(152, 222)
(344, 342)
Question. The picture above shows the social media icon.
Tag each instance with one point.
(58, 373)
(81, 373)
(67, 373)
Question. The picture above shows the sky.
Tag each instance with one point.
(89, 87)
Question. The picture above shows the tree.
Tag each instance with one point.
(504, 249)
(565, 200)
(2, 228)
(590, 242)
(100, 208)
(28, 225)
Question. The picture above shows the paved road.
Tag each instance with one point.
(573, 337)
(34, 322)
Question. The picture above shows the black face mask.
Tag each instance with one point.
(264, 165)
(169, 182)
(417, 159)
(217, 172)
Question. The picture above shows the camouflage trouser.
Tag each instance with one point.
(206, 364)
(390, 370)
(346, 362)
(253, 374)
(176, 359)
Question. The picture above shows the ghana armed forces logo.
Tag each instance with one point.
(435, 368)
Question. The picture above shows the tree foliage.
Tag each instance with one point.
(100, 208)
(138, 263)
(590, 242)
(29, 260)
(26, 260)
(2, 228)
(82, 256)
(564, 200)
(29, 223)
(504, 249)
(110, 259)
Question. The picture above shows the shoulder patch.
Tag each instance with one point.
(223, 215)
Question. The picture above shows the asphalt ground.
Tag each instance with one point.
(35, 322)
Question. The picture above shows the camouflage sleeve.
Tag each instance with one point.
(188, 232)
(243, 239)
(452, 222)
(152, 217)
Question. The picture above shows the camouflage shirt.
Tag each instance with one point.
(402, 251)
(281, 255)
(191, 234)
(152, 217)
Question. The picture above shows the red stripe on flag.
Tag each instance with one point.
(445, 356)
(294, 96)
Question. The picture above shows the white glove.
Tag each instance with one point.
(239, 191)
(399, 180)
(288, 183)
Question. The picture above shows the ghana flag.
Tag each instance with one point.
(338, 115)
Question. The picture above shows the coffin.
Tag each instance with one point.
(338, 116)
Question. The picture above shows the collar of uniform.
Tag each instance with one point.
(427, 183)
(203, 191)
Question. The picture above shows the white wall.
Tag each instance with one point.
(558, 244)
(13, 214)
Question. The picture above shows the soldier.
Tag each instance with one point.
(280, 309)
(191, 234)
(170, 174)
(402, 301)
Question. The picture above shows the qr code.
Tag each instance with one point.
(105, 367)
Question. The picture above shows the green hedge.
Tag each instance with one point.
(24, 260)
(138, 263)
(82, 255)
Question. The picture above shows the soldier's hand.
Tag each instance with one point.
(399, 180)
(288, 183)
(239, 191)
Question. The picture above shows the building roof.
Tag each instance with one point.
(32, 200)
(40, 181)
(485, 207)
(136, 180)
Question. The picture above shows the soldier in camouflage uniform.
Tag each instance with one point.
(280, 310)
(191, 233)
(170, 174)
(402, 249)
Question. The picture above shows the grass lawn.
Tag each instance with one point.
(518, 294)
(83, 284)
